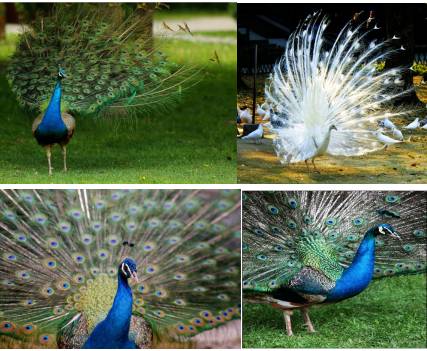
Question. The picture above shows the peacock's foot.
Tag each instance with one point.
(307, 320)
(288, 324)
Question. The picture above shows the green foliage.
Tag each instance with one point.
(391, 313)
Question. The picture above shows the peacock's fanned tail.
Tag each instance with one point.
(113, 67)
(279, 228)
(60, 251)
(318, 84)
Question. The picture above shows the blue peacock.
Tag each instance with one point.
(108, 269)
(86, 59)
(302, 249)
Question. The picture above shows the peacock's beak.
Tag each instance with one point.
(135, 277)
(395, 236)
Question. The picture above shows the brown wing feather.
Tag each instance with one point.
(70, 123)
(36, 122)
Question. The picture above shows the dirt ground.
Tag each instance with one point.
(403, 163)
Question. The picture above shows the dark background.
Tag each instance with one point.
(269, 25)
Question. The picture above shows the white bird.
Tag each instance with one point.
(402, 48)
(267, 116)
(256, 135)
(397, 133)
(387, 123)
(386, 140)
(245, 115)
(414, 124)
(313, 88)
(260, 111)
(395, 37)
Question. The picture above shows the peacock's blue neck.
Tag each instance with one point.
(119, 316)
(52, 121)
(359, 274)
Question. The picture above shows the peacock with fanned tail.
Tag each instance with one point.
(328, 95)
(309, 248)
(90, 59)
(107, 269)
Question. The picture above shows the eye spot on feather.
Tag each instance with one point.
(291, 224)
(10, 257)
(273, 209)
(20, 237)
(359, 221)
(116, 217)
(44, 339)
(223, 205)
(7, 327)
(419, 233)
(160, 313)
(275, 230)
(272, 284)
(87, 239)
(23, 275)
(143, 288)
(96, 226)
(292, 203)
(58, 310)
(76, 214)
(64, 227)
(28, 302)
(333, 235)
(352, 237)
(279, 248)
(223, 297)
(200, 289)
(258, 232)
(40, 219)
(99, 205)
(28, 328)
(389, 271)
(308, 219)
(391, 199)
(150, 269)
(179, 302)
(331, 221)
(53, 243)
(408, 248)
(261, 257)
(161, 293)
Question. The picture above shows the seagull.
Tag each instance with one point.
(386, 140)
(256, 135)
(414, 124)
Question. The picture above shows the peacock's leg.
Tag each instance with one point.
(49, 154)
(314, 166)
(287, 316)
(64, 155)
(307, 320)
(308, 168)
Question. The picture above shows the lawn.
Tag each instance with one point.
(194, 143)
(391, 313)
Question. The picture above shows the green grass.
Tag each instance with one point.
(194, 143)
(222, 34)
(391, 313)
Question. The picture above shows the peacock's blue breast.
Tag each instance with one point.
(51, 131)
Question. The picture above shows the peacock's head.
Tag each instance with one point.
(128, 269)
(386, 229)
(333, 127)
(61, 73)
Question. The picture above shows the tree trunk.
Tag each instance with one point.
(2, 21)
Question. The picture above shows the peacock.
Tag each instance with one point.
(329, 95)
(117, 268)
(304, 248)
(90, 60)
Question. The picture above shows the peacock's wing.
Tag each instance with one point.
(284, 232)
(109, 58)
(60, 251)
